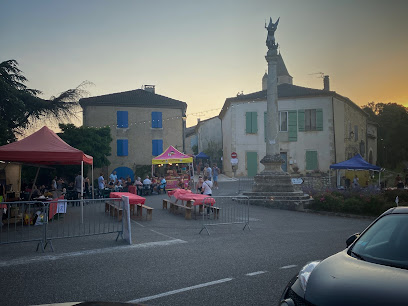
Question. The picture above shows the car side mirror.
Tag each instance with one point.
(352, 238)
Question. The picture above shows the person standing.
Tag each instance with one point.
(355, 182)
(199, 186)
(208, 172)
(79, 185)
(207, 185)
(54, 183)
(101, 184)
(113, 177)
(215, 172)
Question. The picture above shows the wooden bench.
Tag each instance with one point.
(174, 208)
(214, 209)
(149, 213)
(165, 202)
(114, 210)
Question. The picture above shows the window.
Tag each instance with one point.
(122, 147)
(283, 121)
(251, 123)
(157, 120)
(310, 120)
(122, 119)
(311, 160)
(157, 147)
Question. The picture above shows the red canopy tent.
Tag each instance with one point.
(44, 147)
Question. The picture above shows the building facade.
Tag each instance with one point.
(317, 128)
(143, 124)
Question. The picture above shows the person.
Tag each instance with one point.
(2, 193)
(191, 184)
(180, 183)
(78, 185)
(60, 184)
(146, 184)
(101, 184)
(54, 183)
(215, 171)
(36, 192)
(199, 187)
(208, 173)
(347, 183)
(139, 186)
(113, 177)
(355, 182)
(86, 188)
(207, 185)
(154, 184)
(162, 185)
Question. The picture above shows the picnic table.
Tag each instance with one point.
(187, 195)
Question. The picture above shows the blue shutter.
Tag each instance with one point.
(248, 125)
(254, 122)
(157, 120)
(122, 119)
(157, 147)
(292, 122)
(301, 120)
(319, 119)
(122, 147)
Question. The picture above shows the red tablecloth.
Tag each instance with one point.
(132, 189)
(187, 195)
(133, 198)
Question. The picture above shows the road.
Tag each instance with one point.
(170, 263)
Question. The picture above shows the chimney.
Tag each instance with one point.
(326, 83)
(149, 88)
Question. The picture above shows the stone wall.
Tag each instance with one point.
(316, 183)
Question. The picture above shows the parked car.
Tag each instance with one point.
(372, 270)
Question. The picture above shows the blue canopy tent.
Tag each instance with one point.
(202, 155)
(356, 163)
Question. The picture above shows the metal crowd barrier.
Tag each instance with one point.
(224, 210)
(60, 218)
(245, 184)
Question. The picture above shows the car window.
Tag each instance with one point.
(385, 242)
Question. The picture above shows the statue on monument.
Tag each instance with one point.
(270, 40)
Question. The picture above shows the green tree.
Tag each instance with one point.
(392, 120)
(214, 151)
(20, 105)
(92, 141)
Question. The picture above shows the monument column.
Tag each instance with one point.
(272, 178)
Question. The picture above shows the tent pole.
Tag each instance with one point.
(82, 192)
(93, 195)
(35, 181)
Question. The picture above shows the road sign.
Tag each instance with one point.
(234, 155)
(297, 181)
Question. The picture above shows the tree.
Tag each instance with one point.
(20, 105)
(92, 141)
(392, 120)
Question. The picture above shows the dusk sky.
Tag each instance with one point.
(202, 52)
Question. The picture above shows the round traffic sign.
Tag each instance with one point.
(234, 155)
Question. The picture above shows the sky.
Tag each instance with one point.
(202, 52)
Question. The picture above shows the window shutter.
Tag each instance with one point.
(292, 122)
(301, 120)
(311, 160)
(254, 122)
(157, 120)
(265, 125)
(319, 119)
(157, 147)
(122, 119)
(248, 125)
(122, 147)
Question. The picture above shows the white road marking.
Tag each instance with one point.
(137, 223)
(163, 234)
(148, 298)
(255, 273)
(47, 258)
(288, 267)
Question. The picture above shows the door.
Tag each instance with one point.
(252, 163)
(284, 156)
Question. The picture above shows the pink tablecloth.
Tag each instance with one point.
(187, 195)
(53, 205)
(133, 198)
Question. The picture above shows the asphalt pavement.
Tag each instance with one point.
(170, 263)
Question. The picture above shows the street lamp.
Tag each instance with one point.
(184, 117)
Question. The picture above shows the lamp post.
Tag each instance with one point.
(184, 132)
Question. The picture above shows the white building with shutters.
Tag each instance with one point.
(317, 128)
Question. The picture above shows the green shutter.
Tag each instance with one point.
(248, 122)
(319, 119)
(254, 122)
(265, 124)
(292, 122)
(301, 120)
(311, 160)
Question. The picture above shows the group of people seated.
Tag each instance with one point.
(148, 186)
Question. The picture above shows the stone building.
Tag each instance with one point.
(317, 128)
(143, 124)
